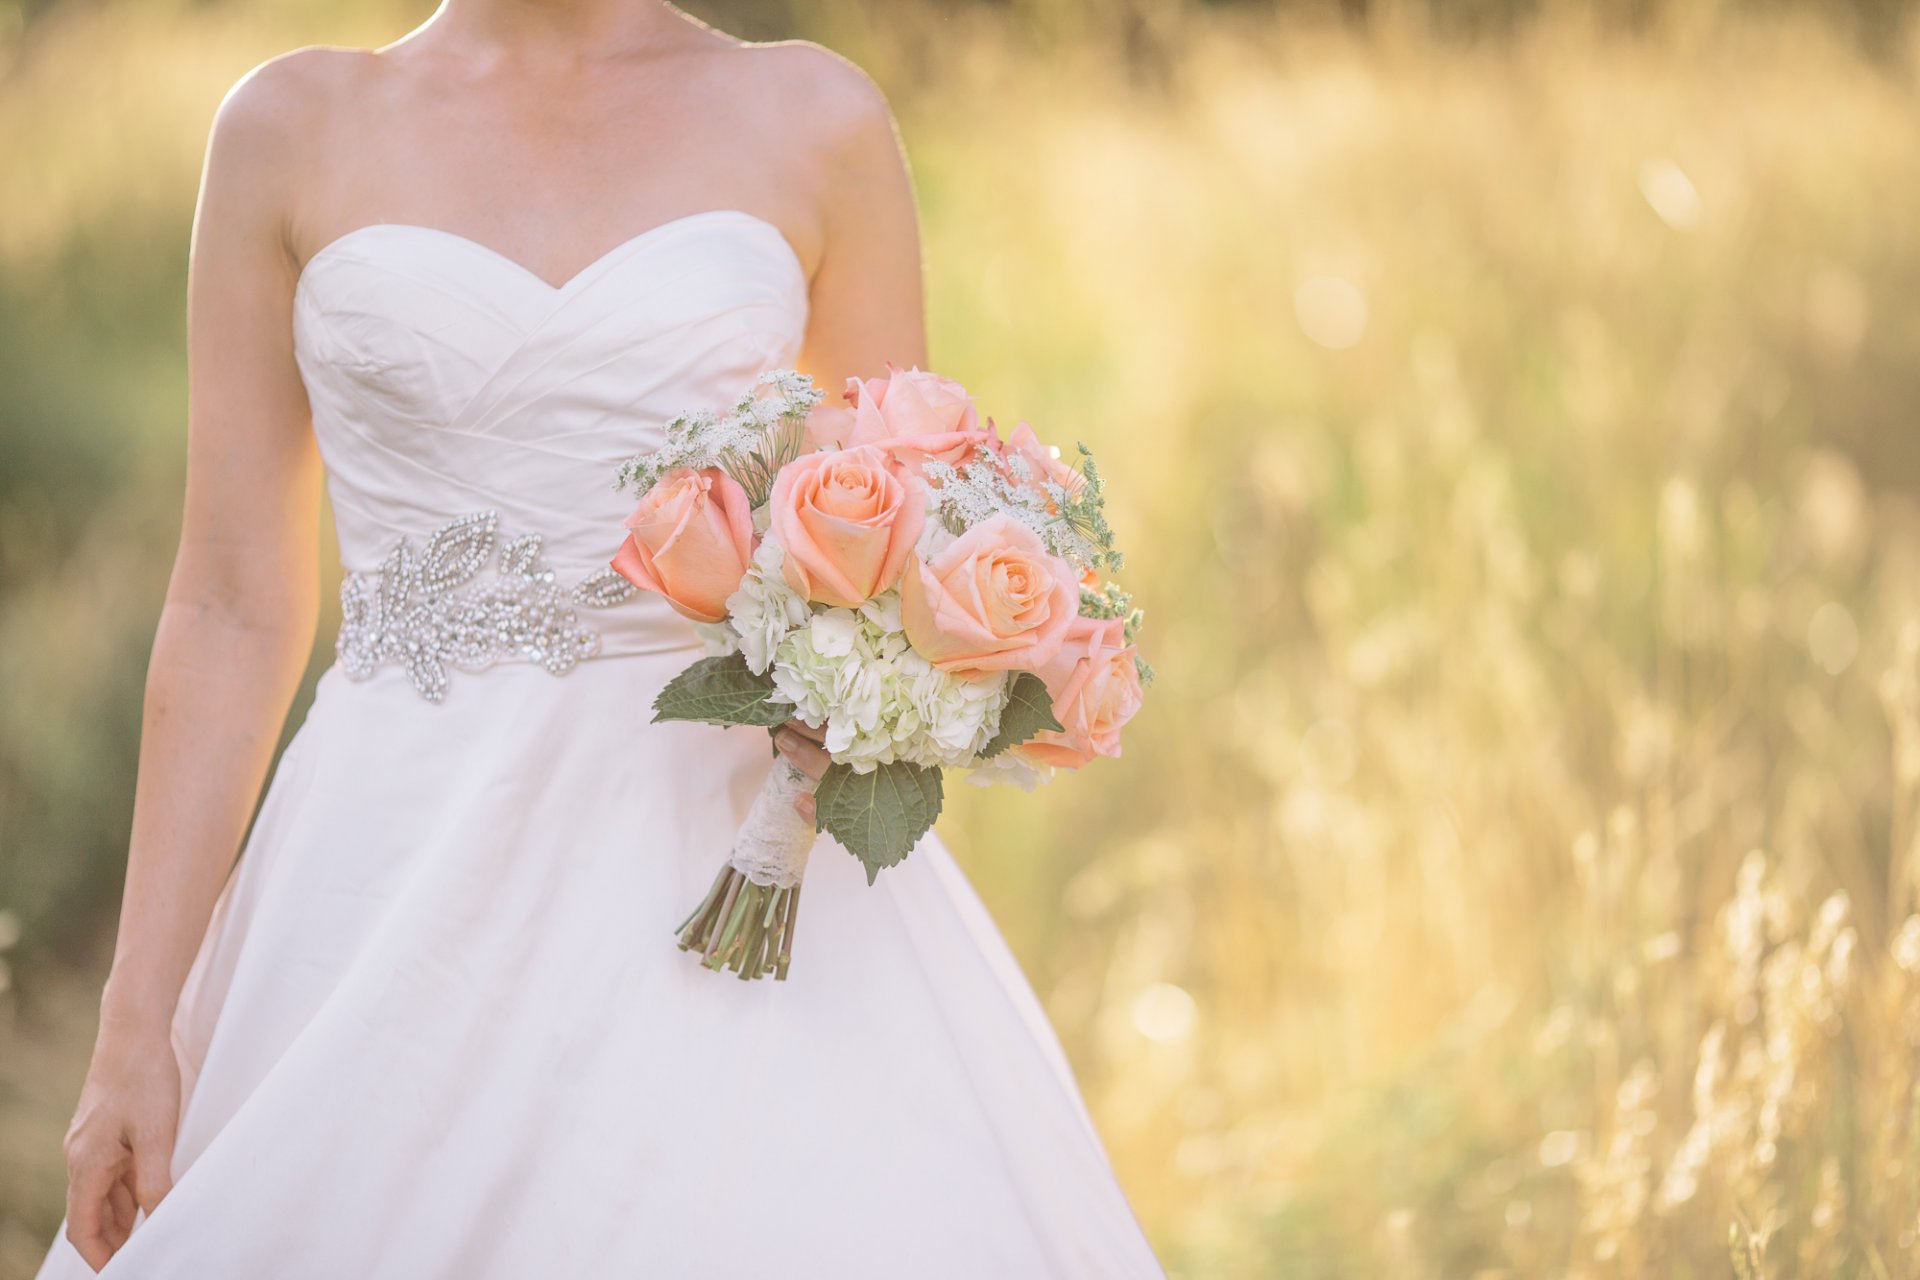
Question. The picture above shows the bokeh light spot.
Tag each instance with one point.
(1164, 1013)
(1332, 311)
(1559, 1148)
(1671, 193)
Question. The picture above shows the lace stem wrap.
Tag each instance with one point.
(775, 839)
(746, 921)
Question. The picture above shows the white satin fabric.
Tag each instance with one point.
(439, 1026)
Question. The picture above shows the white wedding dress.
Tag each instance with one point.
(440, 1027)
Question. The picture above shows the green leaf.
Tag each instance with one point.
(878, 816)
(1029, 709)
(721, 691)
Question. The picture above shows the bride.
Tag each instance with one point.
(434, 1023)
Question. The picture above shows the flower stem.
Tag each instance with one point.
(786, 934)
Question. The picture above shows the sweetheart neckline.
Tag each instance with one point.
(566, 286)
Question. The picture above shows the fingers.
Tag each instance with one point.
(152, 1172)
(806, 754)
(122, 1211)
(91, 1176)
(806, 730)
(801, 744)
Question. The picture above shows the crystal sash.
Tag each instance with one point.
(469, 598)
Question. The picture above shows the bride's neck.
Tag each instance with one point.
(561, 25)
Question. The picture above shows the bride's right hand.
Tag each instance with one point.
(804, 745)
(120, 1145)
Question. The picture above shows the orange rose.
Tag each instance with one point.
(691, 541)
(1043, 463)
(847, 524)
(1096, 689)
(995, 599)
(913, 415)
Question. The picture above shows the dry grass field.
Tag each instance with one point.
(1516, 444)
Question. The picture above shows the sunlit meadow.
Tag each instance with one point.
(1516, 445)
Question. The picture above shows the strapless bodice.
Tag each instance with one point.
(445, 378)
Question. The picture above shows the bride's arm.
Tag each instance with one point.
(866, 307)
(232, 641)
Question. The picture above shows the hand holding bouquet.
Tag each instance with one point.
(925, 594)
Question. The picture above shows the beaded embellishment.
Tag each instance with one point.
(425, 611)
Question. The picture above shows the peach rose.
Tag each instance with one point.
(913, 415)
(691, 541)
(1096, 690)
(994, 600)
(1044, 464)
(847, 524)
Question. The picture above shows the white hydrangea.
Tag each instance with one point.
(953, 717)
(883, 611)
(833, 671)
(717, 639)
(854, 672)
(764, 608)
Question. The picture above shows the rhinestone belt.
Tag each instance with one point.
(432, 610)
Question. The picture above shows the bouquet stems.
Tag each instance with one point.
(746, 920)
(743, 926)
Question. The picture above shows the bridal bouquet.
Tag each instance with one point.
(928, 594)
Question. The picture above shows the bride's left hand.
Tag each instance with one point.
(800, 744)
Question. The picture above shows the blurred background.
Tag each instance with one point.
(1515, 428)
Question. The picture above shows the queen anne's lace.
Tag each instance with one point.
(423, 611)
(765, 429)
(989, 485)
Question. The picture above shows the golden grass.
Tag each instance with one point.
(1514, 871)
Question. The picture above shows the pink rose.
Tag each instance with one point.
(995, 599)
(1044, 464)
(1096, 690)
(847, 524)
(691, 541)
(913, 415)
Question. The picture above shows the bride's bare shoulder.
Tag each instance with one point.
(266, 135)
(834, 132)
(289, 97)
(816, 90)
(807, 67)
